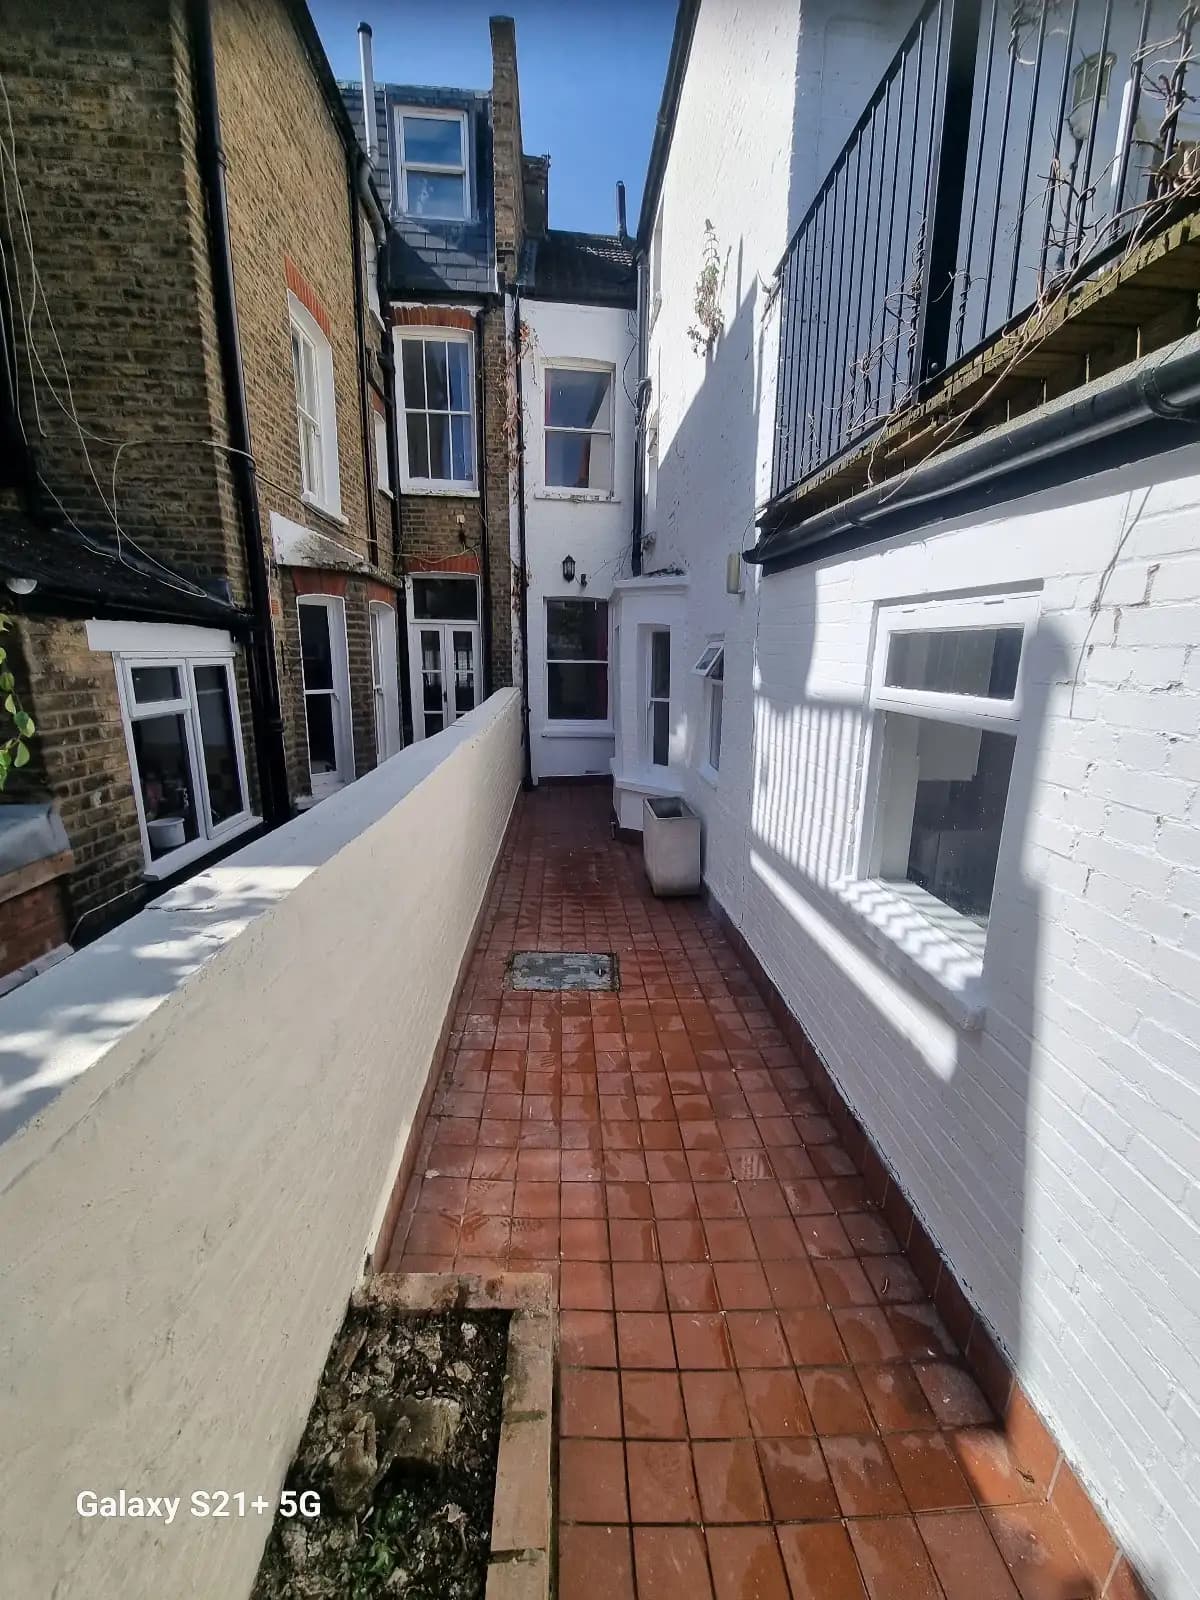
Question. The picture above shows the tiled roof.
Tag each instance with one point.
(92, 574)
(590, 268)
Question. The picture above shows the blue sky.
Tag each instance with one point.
(591, 79)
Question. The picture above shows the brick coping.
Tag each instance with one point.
(520, 1559)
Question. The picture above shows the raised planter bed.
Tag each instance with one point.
(428, 1448)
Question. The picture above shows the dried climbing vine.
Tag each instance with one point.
(710, 319)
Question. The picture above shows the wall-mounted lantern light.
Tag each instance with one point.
(568, 569)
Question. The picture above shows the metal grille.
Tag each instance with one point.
(563, 969)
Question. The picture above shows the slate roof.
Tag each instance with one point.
(425, 256)
(585, 268)
(78, 575)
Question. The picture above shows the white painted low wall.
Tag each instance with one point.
(181, 1226)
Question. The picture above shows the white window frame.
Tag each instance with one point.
(326, 783)
(559, 491)
(444, 486)
(184, 649)
(585, 726)
(653, 699)
(327, 495)
(385, 683)
(383, 474)
(463, 170)
(711, 662)
(371, 268)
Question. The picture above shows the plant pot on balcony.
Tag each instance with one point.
(671, 846)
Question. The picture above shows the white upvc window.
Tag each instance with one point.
(711, 667)
(579, 427)
(325, 666)
(577, 660)
(437, 451)
(383, 471)
(316, 410)
(371, 268)
(432, 146)
(658, 699)
(385, 687)
(179, 707)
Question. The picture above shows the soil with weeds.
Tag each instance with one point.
(401, 1447)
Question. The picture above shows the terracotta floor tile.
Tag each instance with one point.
(731, 1487)
(535, 1198)
(777, 1239)
(835, 1400)
(762, 1197)
(652, 1405)
(825, 1238)
(867, 1333)
(844, 1283)
(632, 1241)
(1040, 1558)
(585, 1286)
(587, 1339)
(776, 1404)
(793, 1285)
(920, 1332)
(590, 1404)
(584, 1239)
(729, 1241)
(965, 1557)
(863, 1477)
(930, 1476)
(701, 1340)
(665, 1166)
(671, 1564)
(894, 1562)
(638, 1286)
(742, 1286)
(716, 1406)
(628, 1200)
(996, 1477)
(746, 1564)
(691, 1286)
(893, 1280)
(532, 1239)
(594, 1563)
(820, 1562)
(896, 1399)
(644, 1339)
(591, 1480)
(757, 1339)
(661, 1484)
(869, 1234)
(673, 1202)
(682, 1241)
(813, 1337)
(953, 1395)
(719, 1201)
(798, 1481)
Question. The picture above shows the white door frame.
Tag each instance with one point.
(334, 607)
(385, 678)
(446, 628)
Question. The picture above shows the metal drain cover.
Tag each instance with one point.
(563, 969)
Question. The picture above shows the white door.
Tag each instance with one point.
(445, 672)
(384, 681)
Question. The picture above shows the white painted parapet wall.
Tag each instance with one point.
(180, 1227)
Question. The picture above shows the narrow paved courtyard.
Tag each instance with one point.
(757, 1399)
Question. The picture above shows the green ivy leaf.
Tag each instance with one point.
(24, 724)
(21, 759)
(7, 681)
(10, 704)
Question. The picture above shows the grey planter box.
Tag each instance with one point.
(671, 846)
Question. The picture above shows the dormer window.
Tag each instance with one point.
(433, 163)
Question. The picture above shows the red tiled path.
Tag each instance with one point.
(757, 1401)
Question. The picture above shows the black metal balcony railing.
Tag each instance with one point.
(1003, 156)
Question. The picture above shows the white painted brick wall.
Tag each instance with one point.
(1055, 1154)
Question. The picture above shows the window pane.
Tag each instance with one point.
(435, 194)
(577, 630)
(458, 365)
(439, 445)
(578, 691)
(418, 445)
(660, 664)
(446, 599)
(155, 683)
(962, 777)
(660, 733)
(219, 750)
(437, 389)
(316, 650)
(579, 461)
(311, 469)
(322, 746)
(577, 399)
(161, 752)
(464, 672)
(974, 661)
(436, 139)
(462, 453)
(412, 368)
(715, 713)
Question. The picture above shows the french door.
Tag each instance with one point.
(445, 671)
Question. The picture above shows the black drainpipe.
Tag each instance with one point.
(265, 707)
(485, 565)
(639, 416)
(523, 576)
(360, 345)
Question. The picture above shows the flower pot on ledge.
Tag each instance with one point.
(671, 845)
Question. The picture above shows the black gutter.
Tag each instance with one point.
(265, 705)
(639, 415)
(664, 128)
(1139, 410)
(523, 580)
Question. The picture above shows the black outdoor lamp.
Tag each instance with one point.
(568, 569)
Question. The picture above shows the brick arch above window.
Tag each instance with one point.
(433, 317)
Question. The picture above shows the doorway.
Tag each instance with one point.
(445, 650)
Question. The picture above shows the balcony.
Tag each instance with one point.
(1013, 215)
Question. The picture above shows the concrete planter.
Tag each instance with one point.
(671, 846)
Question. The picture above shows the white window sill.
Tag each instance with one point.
(923, 940)
(328, 512)
(578, 730)
(655, 781)
(385, 491)
(378, 319)
(167, 866)
(601, 497)
(460, 491)
(710, 774)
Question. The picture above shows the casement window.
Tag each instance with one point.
(383, 472)
(432, 146)
(179, 706)
(658, 707)
(711, 667)
(579, 421)
(385, 687)
(371, 268)
(577, 660)
(316, 413)
(947, 680)
(438, 453)
(325, 665)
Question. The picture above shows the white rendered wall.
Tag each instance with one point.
(1054, 1154)
(596, 530)
(181, 1228)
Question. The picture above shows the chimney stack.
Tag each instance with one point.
(367, 68)
(622, 229)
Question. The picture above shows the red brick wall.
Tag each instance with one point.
(32, 923)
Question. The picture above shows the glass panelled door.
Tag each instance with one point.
(447, 663)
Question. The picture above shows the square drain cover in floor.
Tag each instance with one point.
(563, 969)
